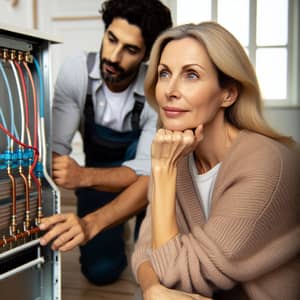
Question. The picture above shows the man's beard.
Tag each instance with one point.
(121, 73)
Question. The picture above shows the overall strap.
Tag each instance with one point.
(136, 112)
(90, 61)
(88, 106)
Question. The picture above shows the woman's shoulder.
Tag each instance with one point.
(253, 151)
(261, 167)
(259, 144)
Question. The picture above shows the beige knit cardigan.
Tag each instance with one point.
(249, 248)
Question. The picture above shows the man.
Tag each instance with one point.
(104, 93)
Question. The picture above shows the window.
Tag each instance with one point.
(268, 29)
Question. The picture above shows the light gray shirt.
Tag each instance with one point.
(69, 101)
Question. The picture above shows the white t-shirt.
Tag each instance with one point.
(204, 183)
(114, 112)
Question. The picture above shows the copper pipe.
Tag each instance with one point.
(27, 199)
(39, 204)
(29, 178)
(39, 192)
(18, 236)
(13, 226)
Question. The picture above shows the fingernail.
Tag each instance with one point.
(42, 242)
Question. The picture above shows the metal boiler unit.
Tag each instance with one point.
(27, 192)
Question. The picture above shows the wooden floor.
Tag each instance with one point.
(76, 287)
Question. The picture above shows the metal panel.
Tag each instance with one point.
(27, 271)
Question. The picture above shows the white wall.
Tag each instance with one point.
(19, 15)
(286, 120)
(76, 22)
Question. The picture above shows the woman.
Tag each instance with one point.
(223, 219)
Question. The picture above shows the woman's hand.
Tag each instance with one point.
(66, 230)
(169, 146)
(159, 292)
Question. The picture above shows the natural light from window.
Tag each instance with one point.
(193, 11)
(234, 15)
(271, 69)
(272, 27)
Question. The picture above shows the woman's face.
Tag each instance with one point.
(187, 90)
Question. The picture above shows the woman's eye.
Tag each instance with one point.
(163, 74)
(192, 75)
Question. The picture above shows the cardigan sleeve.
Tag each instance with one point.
(143, 244)
(253, 229)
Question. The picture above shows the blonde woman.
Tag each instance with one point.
(223, 219)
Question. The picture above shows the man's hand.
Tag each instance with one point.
(67, 173)
(66, 230)
(159, 292)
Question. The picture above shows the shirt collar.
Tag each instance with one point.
(95, 73)
(138, 87)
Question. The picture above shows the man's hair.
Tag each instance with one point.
(151, 16)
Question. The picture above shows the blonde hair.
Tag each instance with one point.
(232, 64)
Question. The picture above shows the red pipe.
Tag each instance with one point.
(18, 236)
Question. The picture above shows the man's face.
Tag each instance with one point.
(122, 51)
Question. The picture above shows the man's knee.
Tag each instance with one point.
(104, 271)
